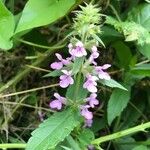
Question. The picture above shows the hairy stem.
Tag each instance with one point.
(119, 134)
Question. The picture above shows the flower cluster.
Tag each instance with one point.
(82, 46)
(78, 50)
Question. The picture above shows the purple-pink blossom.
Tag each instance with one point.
(92, 100)
(78, 50)
(66, 79)
(58, 102)
(90, 83)
(86, 113)
(93, 55)
(88, 122)
(102, 74)
(59, 64)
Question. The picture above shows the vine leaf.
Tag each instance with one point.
(53, 130)
(41, 13)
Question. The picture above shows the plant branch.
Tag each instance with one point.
(120, 134)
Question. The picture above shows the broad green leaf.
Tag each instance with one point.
(142, 70)
(141, 147)
(76, 92)
(53, 130)
(141, 15)
(123, 52)
(117, 102)
(7, 25)
(43, 12)
(112, 83)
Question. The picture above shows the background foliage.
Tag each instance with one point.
(30, 32)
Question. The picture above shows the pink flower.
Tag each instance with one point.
(78, 51)
(66, 79)
(100, 70)
(88, 122)
(94, 55)
(90, 83)
(59, 64)
(92, 100)
(86, 113)
(58, 102)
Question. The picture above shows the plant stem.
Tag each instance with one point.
(119, 134)
(7, 145)
(77, 85)
(30, 90)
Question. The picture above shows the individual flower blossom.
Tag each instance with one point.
(86, 113)
(90, 83)
(58, 102)
(91, 147)
(59, 64)
(88, 122)
(94, 55)
(78, 50)
(66, 79)
(92, 100)
(100, 70)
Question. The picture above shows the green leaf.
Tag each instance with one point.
(53, 130)
(144, 49)
(43, 12)
(117, 102)
(143, 70)
(76, 92)
(74, 144)
(85, 138)
(77, 65)
(131, 30)
(141, 15)
(122, 143)
(141, 147)
(123, 52)
(54, 73)
(7, 25)
(112, 83)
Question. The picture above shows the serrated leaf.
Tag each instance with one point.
(43, 12)
(141, 15)
(76, 92)
(77, 65)
(112, 83)
(117, 102)
(53, 130)
(7, 25)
